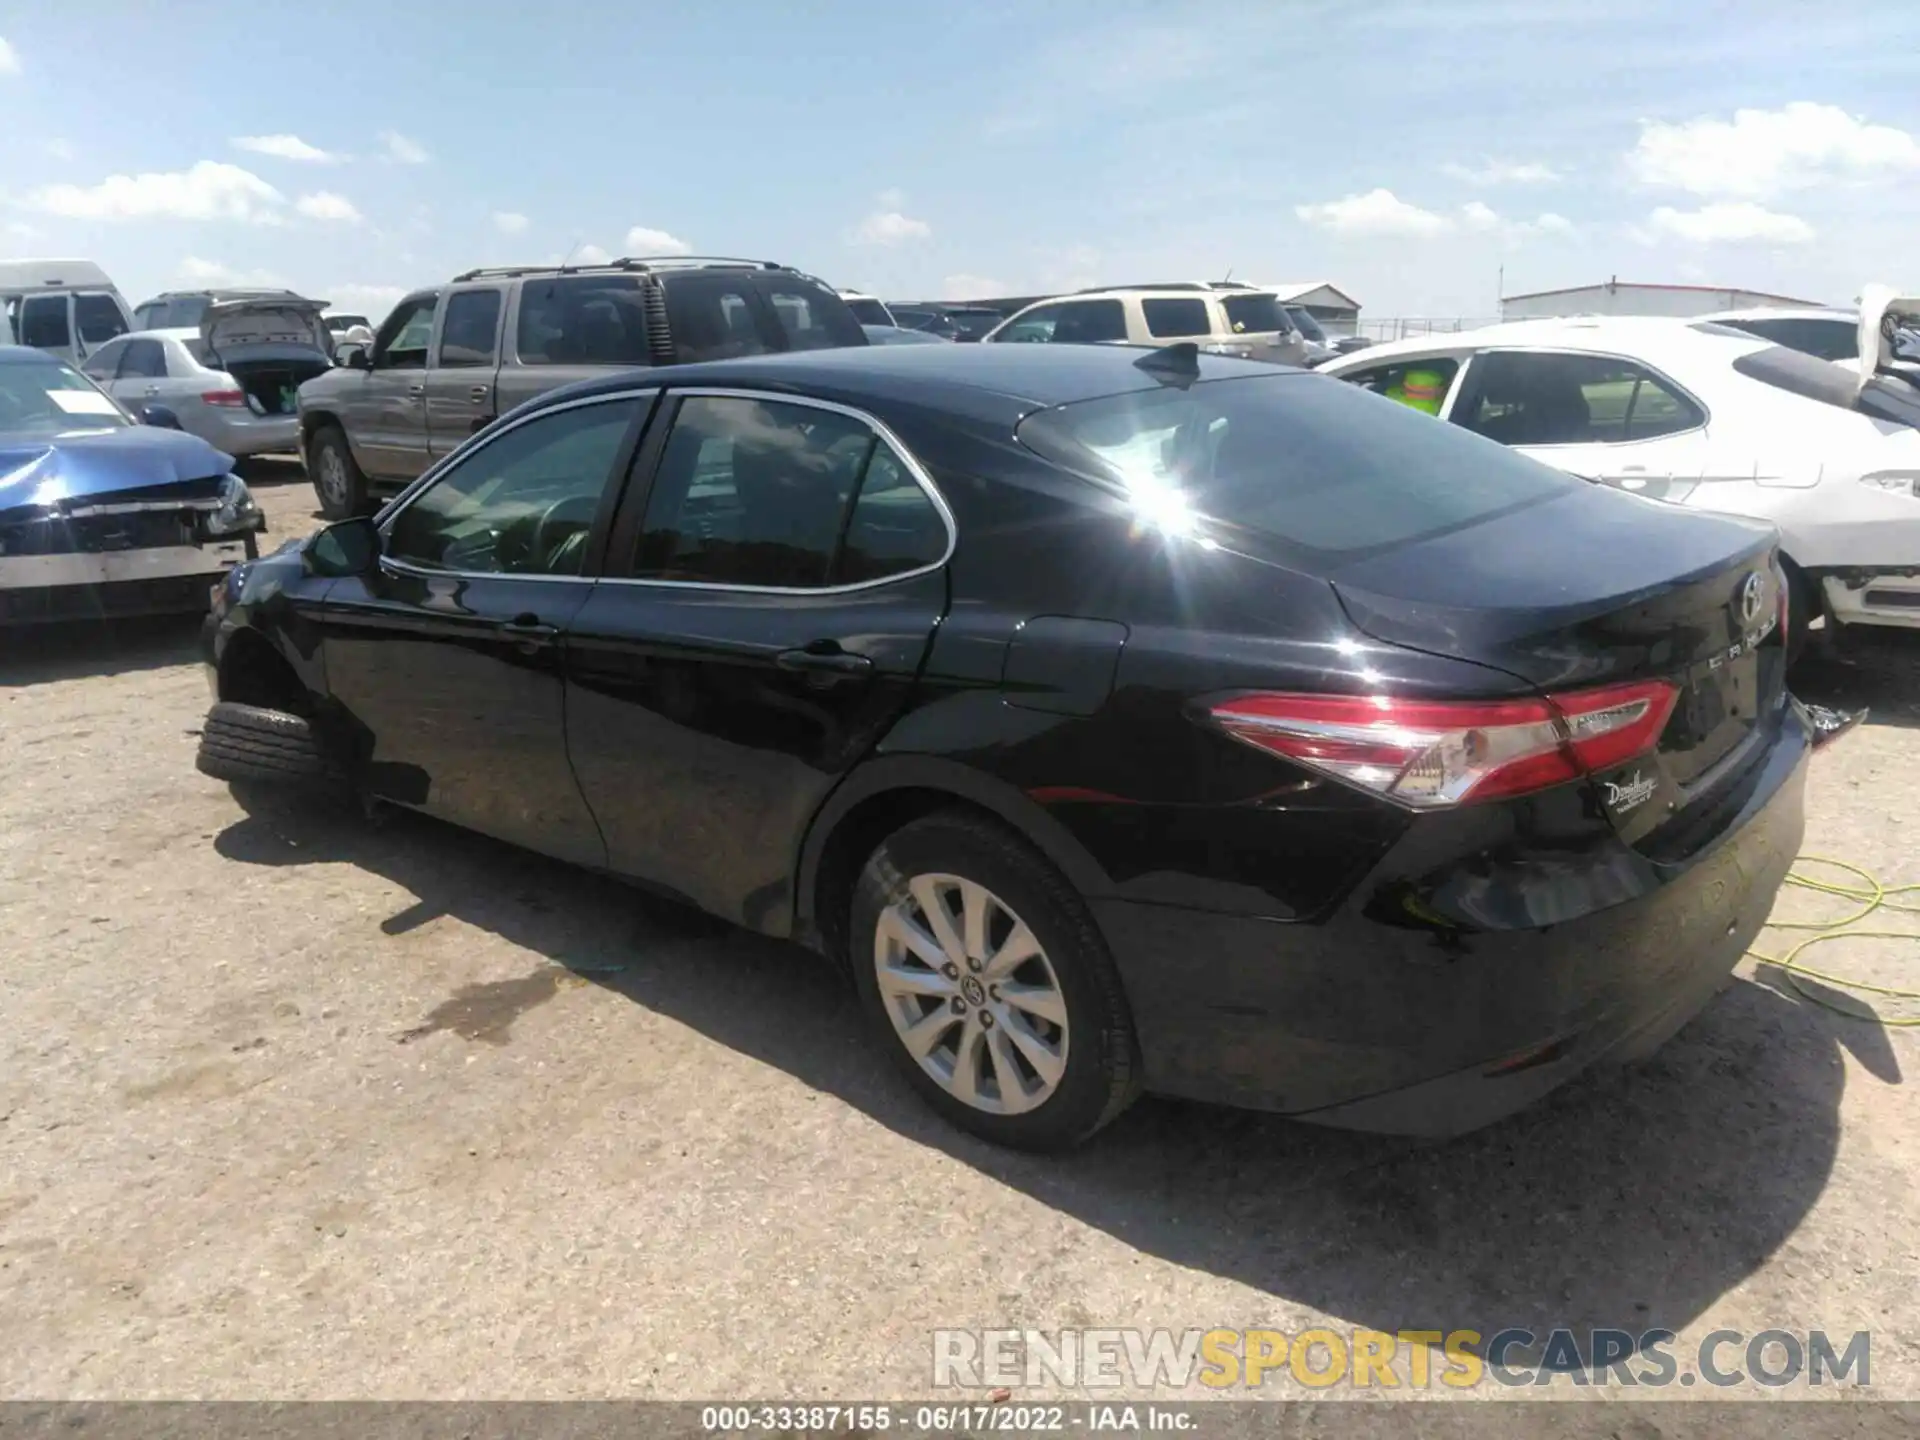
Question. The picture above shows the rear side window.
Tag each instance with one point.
(812, 319)
(97, 317)
(468, 334)
(144, 358)
(582, 320)
(102, 363)
(769, 495)
(1090, 322)
(1167, 318)
(713, 317)
(1537, 398)
(1310, 464)
(1824, 339)
(870, 312)
(43, 322)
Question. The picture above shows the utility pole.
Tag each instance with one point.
(1500, 295)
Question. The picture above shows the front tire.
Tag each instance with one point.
(990, 985)
(337, 480)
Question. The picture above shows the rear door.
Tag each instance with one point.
(447, 659)
(466, 360)
(1606, 417)
(775, 578)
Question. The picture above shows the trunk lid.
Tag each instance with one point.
(231, 328)
(1592, 592)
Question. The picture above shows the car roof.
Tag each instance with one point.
(1651, 336)
(965, 378)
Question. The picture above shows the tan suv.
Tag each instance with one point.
(1218, 315)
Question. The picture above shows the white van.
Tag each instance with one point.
(68, 308)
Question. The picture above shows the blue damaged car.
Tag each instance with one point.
(103, 514)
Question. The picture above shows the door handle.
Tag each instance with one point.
(478, 394)
(825, 659)
(529, 633)
(416, 390)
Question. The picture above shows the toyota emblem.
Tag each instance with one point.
(1752, 596)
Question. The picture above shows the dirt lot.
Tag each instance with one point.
(291, 1106)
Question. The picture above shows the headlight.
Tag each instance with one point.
(1899, 482)
(237, 513)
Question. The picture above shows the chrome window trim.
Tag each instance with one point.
(886, 435)
(447, 463)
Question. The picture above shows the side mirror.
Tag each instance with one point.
(346, 547)
(354, 357)
(159, 416)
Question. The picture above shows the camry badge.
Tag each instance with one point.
(1752, 594)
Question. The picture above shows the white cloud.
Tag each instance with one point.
(9, 58)
(890, 227)
(1479, 217)
(209, 190)
(1728, 223)
(286, 147)
(1378, 212)
(1502, 172)
(402, 151)
(510, 222)
(971, 287)
(588, 255)
(644, 241)
(195, 271)
(1760, 153)
(325, 205)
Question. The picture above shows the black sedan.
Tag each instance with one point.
(1123, 720)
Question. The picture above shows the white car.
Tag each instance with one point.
(1695, 413)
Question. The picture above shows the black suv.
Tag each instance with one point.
(447, 360)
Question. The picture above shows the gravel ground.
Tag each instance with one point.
(292, 1106)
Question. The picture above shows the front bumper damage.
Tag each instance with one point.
(128, 554)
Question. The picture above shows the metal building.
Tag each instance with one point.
(1624, 298)
(1337, 311)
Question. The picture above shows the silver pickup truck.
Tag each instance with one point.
(446, 361)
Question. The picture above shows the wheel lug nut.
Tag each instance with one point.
(986, 1021)
(973, 965)
(993, 992)
(959, 1006)
(950, 970)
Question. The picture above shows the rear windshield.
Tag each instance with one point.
(582, 320)
(1255, 314)
(181, 312)
(1310, 464)
(1886, 397)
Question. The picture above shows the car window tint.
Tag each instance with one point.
(521, 504)
(752, 492)
(1175, 317)
(97, 317)
(402, 341)
(43, 322)
(870, 312)
(1090, 322)
(144, 358)
(102, 363)
(1827, 339)
(812, 319)
(1254, 314)
(1561, 399)
(468, 334)
(1034, 327)
(582, 320)
(894, 527)
(1312, 464)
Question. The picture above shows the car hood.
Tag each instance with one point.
(234, 326)
(42, 471)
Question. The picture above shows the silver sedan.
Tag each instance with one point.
(171, 368)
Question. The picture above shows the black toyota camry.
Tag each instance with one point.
(1122, 720)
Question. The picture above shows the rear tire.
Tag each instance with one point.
(337, 480)
(1036, 1053)
(1803, 605)
(250, 745)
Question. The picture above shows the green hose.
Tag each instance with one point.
(1871, 896)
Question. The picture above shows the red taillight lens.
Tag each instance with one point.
(224, 397)
(1430, 754)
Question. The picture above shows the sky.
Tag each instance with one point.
(1420, 156)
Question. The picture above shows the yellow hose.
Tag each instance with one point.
(1871, 896)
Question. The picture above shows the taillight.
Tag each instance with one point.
(1782, 607)
(224, 397)
(1429, 754)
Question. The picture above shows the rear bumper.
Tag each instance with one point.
(1378, 1019)
(252, 435)
(84, 585)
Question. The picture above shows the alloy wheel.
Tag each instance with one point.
(971, 994)
(333, 476)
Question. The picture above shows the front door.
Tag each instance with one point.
(769, 598)
(387, 412)
(447, 660)
(1604, 417)
(466, 357)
